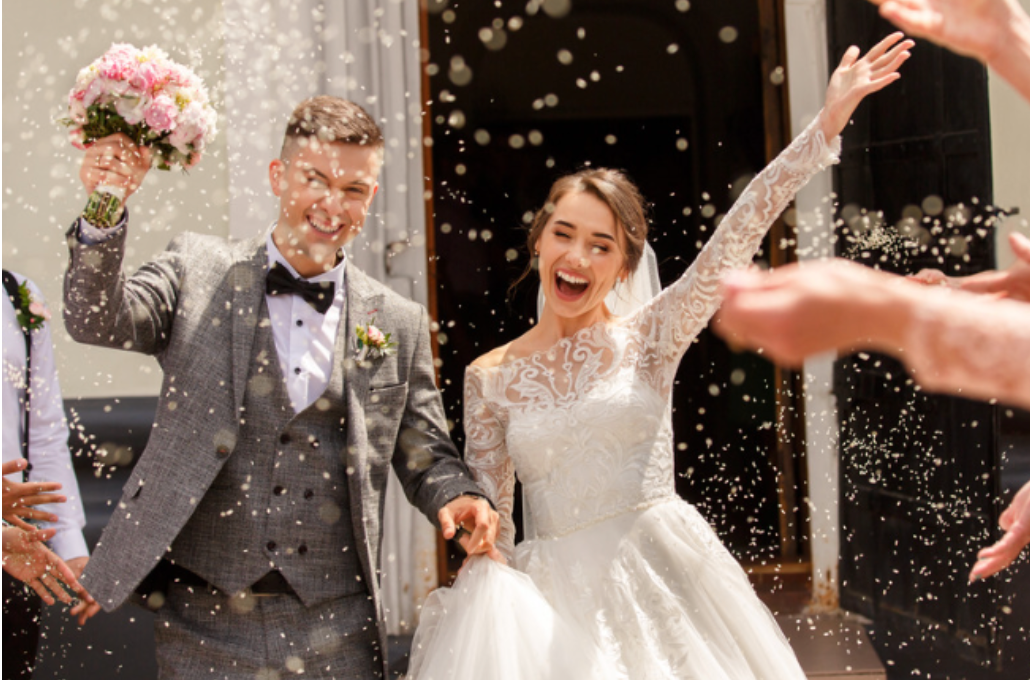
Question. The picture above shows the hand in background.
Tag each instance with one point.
(969, 27)
(855, 78)
(18, 497)
(479, 521)
(27, 559)
(1015, 520)
(1013, 282)
(115, 161)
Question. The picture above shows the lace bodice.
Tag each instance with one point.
(587, 424)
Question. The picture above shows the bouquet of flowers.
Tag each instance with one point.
(147, 96)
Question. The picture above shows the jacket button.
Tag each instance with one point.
(284, 438)
(279, 490)
(222, 451)
(308, 493)
(302, 550)
(270, 545)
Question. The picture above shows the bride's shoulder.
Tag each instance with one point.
(494, 358)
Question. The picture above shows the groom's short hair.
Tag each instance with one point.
(331, 119)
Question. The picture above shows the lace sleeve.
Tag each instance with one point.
(966, 344)
(675, 317)
(486, 454)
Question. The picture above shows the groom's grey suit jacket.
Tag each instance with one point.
(196, 308)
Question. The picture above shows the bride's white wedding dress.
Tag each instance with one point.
(625, 579)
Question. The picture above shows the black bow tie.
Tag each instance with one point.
(318, 294)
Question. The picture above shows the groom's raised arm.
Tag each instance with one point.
(101, 305)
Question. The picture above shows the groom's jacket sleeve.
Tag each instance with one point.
(102, 306)
(426, 461)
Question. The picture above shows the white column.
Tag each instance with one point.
(809, 72)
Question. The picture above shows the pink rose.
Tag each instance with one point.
(160, 115)
(375, 336)
(191, 129)
(119, 66)
(148, 75)
(131, 108)
(39, 309)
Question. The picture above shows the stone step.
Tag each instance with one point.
(832, 646)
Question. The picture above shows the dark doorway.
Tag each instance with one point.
(919, 473)
(671, 92)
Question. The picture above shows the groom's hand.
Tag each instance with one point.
(478, 521)
(115, 161)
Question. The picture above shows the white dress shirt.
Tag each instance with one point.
(48, 431)
(304, 338)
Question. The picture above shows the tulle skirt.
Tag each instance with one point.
(650, 594)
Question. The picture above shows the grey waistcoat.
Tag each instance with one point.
(281, 501)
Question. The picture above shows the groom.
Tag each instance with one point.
(252, 521)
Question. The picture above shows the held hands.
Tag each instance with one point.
(27, 559)
(115, 161)
(18, 497)
(856, 78)
(478, 522)
(1015, 520)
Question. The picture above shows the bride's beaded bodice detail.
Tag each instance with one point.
(587, 424)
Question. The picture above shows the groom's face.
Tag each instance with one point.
(325, 190)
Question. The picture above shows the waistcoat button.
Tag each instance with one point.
(270, 545)
(279, 490)
(308, 493)
(222, 451)
(284, 438)
(302, 550)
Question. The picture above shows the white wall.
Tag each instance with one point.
(45, 44)
(1010, 151)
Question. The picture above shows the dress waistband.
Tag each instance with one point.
(644, 505)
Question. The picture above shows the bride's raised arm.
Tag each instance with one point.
(694, 298)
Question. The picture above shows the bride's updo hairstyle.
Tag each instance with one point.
(615, 190)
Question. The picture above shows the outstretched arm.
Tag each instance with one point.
(997, 32)
(796, 311)
(693, 299)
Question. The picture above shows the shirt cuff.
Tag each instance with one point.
(91, 235)
(69, 544)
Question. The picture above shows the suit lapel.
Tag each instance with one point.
(248, 277)
(363, 304)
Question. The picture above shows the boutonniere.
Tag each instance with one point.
(31, 313)
(372, 342)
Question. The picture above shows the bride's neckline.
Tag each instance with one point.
(562, 344)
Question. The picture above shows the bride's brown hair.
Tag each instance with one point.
(615, 190)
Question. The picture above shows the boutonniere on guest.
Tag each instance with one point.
(31, 313)
(373, 343)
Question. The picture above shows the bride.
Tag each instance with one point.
(618, 577)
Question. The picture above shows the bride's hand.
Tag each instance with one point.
(857, 77)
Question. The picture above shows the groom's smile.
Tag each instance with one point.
(325, 190)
